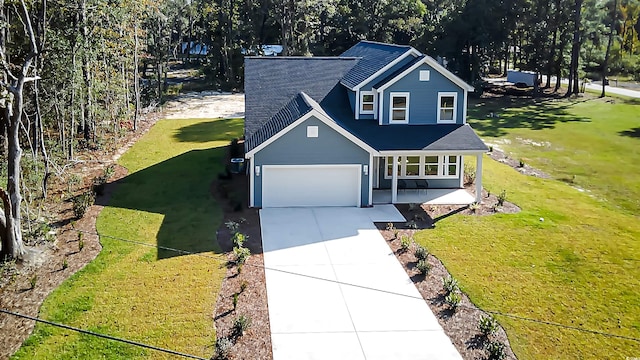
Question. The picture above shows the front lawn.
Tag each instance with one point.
(162, 298)
(590, 143)
(570, 257)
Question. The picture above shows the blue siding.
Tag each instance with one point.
(423, 101)
(295, 148)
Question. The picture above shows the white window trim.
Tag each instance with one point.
(455, 107)
(373, 110)
(443, 167)
(398, 94)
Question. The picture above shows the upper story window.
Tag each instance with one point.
(447, 102)
(399, 108)
(367, 102)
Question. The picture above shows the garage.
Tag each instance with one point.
(310, 185)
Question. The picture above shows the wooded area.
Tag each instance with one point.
(72, 71)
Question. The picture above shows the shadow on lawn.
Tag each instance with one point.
(512, 113)
(215, 130)
(179, 189)
(635, 132)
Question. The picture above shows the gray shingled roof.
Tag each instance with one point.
(295, 109)
(374, 56)
(272, 82)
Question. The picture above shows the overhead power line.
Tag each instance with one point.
(108, 337)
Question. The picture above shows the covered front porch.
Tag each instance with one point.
(432, 177)
(429, 196)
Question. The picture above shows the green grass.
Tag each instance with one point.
(136, 292)
(580, 266)
(592, 144)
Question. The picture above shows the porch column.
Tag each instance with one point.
(479, 178)
(394, 180)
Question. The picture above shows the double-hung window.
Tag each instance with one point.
(399, 108)
(447, 107)
(367, 102)
(431, 166)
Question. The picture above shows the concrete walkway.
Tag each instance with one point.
(336, 291)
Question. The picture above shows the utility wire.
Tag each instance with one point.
(109, 337)
(219, 257)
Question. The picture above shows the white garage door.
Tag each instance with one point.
(310, 185)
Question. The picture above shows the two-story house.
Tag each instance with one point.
(329, 131)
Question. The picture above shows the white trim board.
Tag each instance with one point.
(320, 116)
(434, 64)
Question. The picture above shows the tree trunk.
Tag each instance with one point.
(575, 49)
(13, 245)
(136, 76)
(607, 53)
(552, 55)
(86, 72)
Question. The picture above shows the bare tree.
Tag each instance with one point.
(11, 110)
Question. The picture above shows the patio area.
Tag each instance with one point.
(421, 196)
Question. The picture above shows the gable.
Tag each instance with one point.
(432, 64)
(325, 146)
(318, 113)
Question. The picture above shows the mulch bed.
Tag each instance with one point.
(500, 156)
(461, 325)
(45, 260)
(252, 301)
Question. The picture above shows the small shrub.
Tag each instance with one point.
(223, 348)
(412, 224)
(108, 172)
(502, 197)
(81, 203)
(99, 184)
(235, 300)
(450, 284)
(65, 264)
(521, 163)
(241, 324)
(474, 207)
(243, 286)
(73, 181)
(395, 233)
(469, 174)
(421, 253)
(490, 148)
(33, 281)
(495, 350)
(423, 267)
(233, 226)
(453, 300)
(405, 243)
(80, 241)
(241, 254)
(239, 239)
(487, 325)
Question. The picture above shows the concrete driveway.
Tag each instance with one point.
(336, 291)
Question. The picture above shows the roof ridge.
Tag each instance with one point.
(384, 43)
(304, 57)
